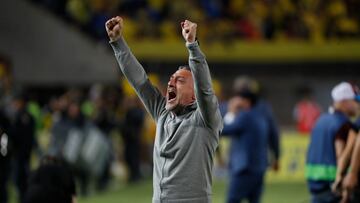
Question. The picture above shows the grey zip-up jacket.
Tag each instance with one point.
(185, 143)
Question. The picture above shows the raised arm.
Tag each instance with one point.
(204, 93)
(132, 69)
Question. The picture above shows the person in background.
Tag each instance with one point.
(131, 132)
(51, 182)
(245, 83)
(348, 170)
(306, 111)
(6, 80)
(250, 140)
(104, 119)
(77, 120)
(22, 130)
(328, 143)
(60, 127)
(5, 156)
(351, 178)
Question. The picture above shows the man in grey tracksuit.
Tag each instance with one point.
(188, 120)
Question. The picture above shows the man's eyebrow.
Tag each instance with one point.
(177, 76)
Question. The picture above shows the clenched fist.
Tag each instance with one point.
(189, 31)
(114, 28)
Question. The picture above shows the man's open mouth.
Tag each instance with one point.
(171, 95)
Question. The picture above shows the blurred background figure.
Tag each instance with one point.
(328, 142)
(131, 133)
(22, 130)
(348, 167)
(77, 126)
(248, 84)
(251, 137)
(104, 119)
(60, 126)
(347, 177)
(351, 181)
(52, 181)
(6, 80)
(306, 111)
(5, 157)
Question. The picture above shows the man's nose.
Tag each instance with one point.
(171, 83)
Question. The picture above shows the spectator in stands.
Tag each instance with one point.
(238, 19)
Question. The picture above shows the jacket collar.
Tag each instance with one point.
(185, 110)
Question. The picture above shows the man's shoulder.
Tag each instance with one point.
(216, 116)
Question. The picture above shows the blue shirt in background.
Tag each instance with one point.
(252, 134)
(321, 157)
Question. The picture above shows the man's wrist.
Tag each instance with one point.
(194, 43)
(119, 45)
(111, 40)
(192, 40)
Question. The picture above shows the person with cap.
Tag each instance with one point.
(188, 119)
(348, 171)
(328, 143)
(250, 141)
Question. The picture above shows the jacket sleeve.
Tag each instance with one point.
(151, 97)
(206, 100)
(274, 137)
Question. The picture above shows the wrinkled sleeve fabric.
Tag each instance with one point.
(150, 96)
(206, 100)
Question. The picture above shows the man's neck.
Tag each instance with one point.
(180, 109)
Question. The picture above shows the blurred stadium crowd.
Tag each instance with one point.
(101, 124)
(222, 20)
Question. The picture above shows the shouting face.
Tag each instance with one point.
(180, 90)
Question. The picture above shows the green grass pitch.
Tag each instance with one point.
(142, 192)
